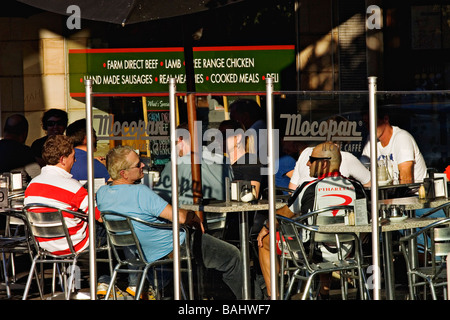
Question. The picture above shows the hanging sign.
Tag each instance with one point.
(126, 70)
(243, 68)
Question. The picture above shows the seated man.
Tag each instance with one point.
(399, 149)
(15, 155)
(54, 121)
(138, 200)
(324, 164)
(56, 187)
(214, 170)
(77, 132)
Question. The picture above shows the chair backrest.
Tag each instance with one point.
(324, 216)
(436, 243)
(47, 222)
(441, 241)
(296, 232)
(121, 234)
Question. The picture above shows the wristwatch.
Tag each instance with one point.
(265, 224)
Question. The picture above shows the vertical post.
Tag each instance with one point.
(374, 187)
(175, 216)
(448, 275)
(271, 182)
(195, 152)
(91, 191)
(145, 112)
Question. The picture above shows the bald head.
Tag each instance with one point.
(325, 158)
(16, 128)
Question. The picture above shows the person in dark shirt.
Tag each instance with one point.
(14, 154)
(246, 166)
(54, 121)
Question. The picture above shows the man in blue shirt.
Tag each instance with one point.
(77, 132)
(138, 200)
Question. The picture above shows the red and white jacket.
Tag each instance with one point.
(56, 187)
(331, 189)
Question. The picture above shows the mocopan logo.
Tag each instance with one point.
(327, 130)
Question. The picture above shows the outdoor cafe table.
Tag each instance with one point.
(385, 189)
(411, 204)
(242, 208)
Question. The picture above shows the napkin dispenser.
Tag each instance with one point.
(241, 190)
(428, 183)
(4, 184)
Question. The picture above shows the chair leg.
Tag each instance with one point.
(141, 283)
(112, 283)
(307, 286)
(410, 287)
(5, 273)
(190, 279)
(30, 277)
(432, 289)
(54, 278)
(71, 280)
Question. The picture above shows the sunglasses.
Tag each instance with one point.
(138, 165)
(312, 159)
(55, 123)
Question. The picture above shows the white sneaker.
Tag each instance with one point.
(102, 289)
(151, 292)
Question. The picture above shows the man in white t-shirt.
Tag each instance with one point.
(399, 149)
(350, 167)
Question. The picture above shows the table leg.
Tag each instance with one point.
(243, 235)
(412, 245)
(389, 266)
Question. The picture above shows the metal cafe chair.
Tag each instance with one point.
(43, 222)
(303, 255)
(432, 270)
(12, 244)
(121, 233)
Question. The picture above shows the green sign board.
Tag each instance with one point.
(126, 71)
(243, 68)
(147, 70)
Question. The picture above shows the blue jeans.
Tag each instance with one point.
(223, 256)
(215, 254)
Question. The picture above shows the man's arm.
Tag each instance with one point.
(184, 216)
(283, 211)
(292, 186)
(406, 172)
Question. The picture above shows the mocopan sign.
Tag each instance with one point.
(327, 130)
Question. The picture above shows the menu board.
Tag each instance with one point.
(158, 129)
(241, 68)
(126, 70)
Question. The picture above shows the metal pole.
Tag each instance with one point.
(271, 182)
(195, 152)
(175, 216)
(91, 191)
(374, 187)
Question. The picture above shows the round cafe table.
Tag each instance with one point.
(240, 208)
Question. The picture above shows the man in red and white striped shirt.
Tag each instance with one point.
(56, 187)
